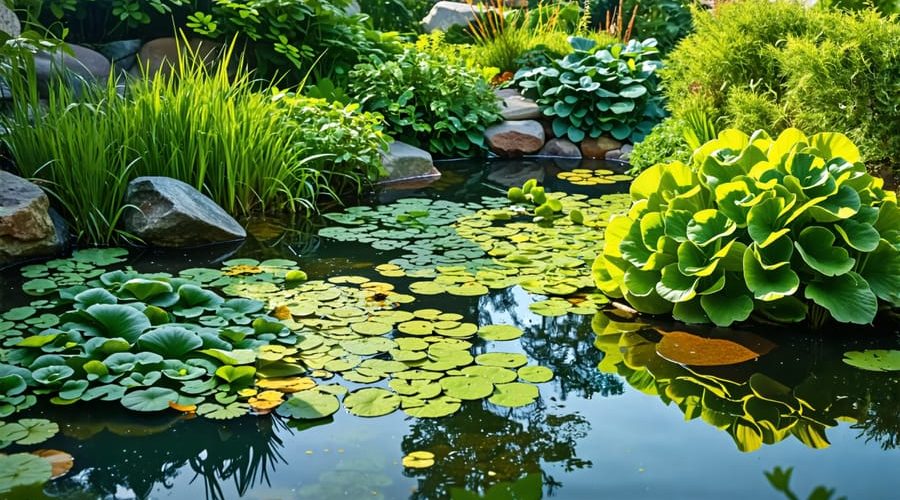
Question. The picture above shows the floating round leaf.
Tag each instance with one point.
(535, 374)
(170, 341)
(418, 460)
(22, 469)
(501, 359)
(371, 402)
(514, 394)
(152, 399)
(434, 408)
(876, 360)
(467, 387)
(309, 405)
(60, 462)
(693, 350)
(499, 332)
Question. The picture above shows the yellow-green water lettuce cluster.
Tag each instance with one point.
(792, 227)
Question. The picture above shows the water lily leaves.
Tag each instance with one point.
(309, 405)
(495, 374)
(535, 374)
(118, 321)
(234, 357)
(371, 402)
(514, 394)
(49, 375)
(467, 387)
(60, 462)
(27, 431)
(170, 341)
(435, 408)
(418, 460)
(693, 350)
(223, 412)
(501, 359)
(499, 332)
(876, 360)
(152, 399)
(22, 469)
(372, 328)
(39, 287)
(236, 375)
(19, 313)
(416, 327)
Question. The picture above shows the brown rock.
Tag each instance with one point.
(26, 228)
(515, 138)
(162, 54)
(597, 148)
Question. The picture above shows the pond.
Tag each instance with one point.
(633, 408)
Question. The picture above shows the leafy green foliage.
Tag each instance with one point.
(295, 37)
(668, 21)
(396, 15)
(86, 19)
(665, 143)
(772, 226)
(428, 100)
(779, 62)
(591, 92)
(249, 150)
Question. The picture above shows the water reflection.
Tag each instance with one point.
(799, 391)
(481, 446)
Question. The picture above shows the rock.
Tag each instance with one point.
(504, 93)
(161, 54)
(626, 152)
(613, 154)
(9, 22)
(86, 65)
(405, 163)
(518, 107)
(171, 213)
(123, 53)
(515, 173)
(26, 227)
(597, 148)
(445, 15)
(515, 138)
(560, 148)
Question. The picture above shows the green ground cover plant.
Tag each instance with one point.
(791, 228)
(596, 90)
(428, 99)
(775, 65)
(249, 149)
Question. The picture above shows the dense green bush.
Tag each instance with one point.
(396, 15)
(665, 143)
(756, 61)
(291, 38)
(250, 151)
(789, 228)
(668, 21)
(591, 92)
(428, 100)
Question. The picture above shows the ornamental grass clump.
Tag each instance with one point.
(791, 228)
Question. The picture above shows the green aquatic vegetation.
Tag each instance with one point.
(754, 410)
(22, 469)
(876, 360)
(592, 92)
(788, 228)
(27, 431)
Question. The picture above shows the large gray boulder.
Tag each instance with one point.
(445, 15)
(515, 106)
(166, 212)
(84, 64)
(9, 22)
(561, 148)
(404, 162)
(512, 139)
(26, 228)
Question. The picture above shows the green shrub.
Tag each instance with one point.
(396, 15)
(588, 92)
(668, 21)
(291, 38)
(757, 61)
(103, 20)
(665, 143)
(428, 100)
(787, 228)
(249, 151)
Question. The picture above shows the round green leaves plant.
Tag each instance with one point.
(789, 228)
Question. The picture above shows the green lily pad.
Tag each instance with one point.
(467, 387)
(434, 408)
(152, 399)
(535, 374)
(371, 402)
(501, 359)
(876, 360)
(170, 341)
(514, 394)
(22, 469)
(499, 332)
(495, 374)
(309, 405)
(223, 412)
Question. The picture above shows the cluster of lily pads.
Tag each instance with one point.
(755, 410)
(248, 338)
(592, 177)
(791, 228)
(467, 250)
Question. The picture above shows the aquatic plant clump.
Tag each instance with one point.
(789, 228)
(158, 342)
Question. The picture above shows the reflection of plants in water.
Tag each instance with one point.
(780, 480)
(529, 487)
(755, 409)
(243, 451)
(477, 448)
(563, 344)
(881, 398)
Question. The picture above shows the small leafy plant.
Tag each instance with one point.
(791, 228)
(428, 100)
(591, 92)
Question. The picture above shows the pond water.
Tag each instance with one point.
(620, 418)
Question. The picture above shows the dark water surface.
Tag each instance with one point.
(596, 432)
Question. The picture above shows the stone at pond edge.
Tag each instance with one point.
(445, 15)
(26, 226)
(560, 148)
(405, 163)
(597, 148)
(515, 138)
(161, 54)
(83, 64)
(171, 213)
(9, 22)
(514, 106)
(123, 53)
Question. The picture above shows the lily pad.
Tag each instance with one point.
(876, 360)
(418, 460)
(371, 402)
(22, 469)
(467, 387)
(152, 399)
(535, 374)
(501, 359)
(499, 332)
(309, 405)
(514, 394)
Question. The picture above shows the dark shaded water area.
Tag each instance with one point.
(618, 420)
